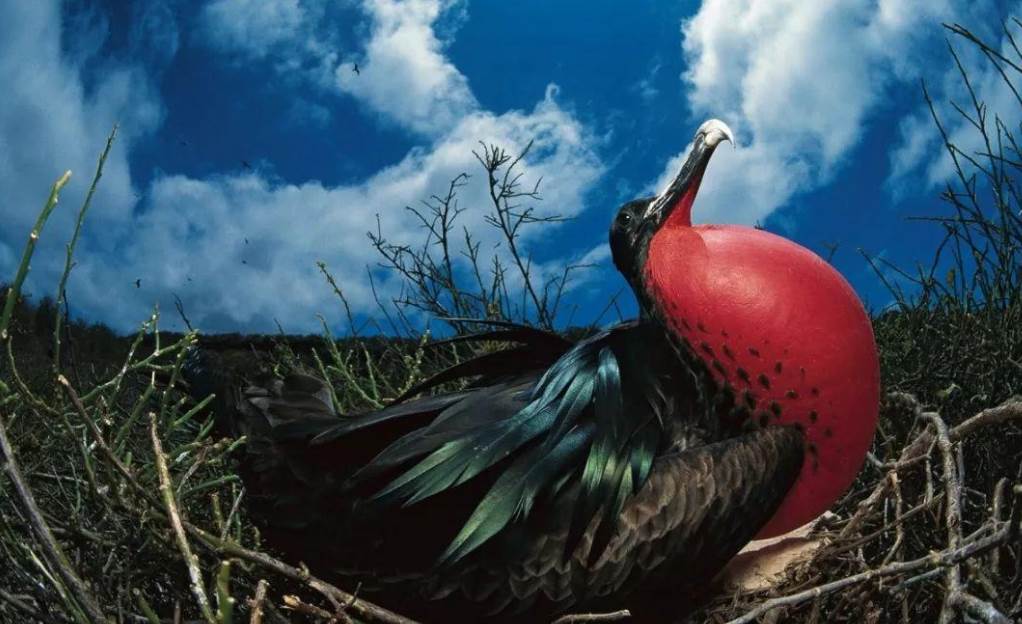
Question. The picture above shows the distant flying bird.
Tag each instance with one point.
(138, 283)
(620, 471)
(246, 165)
(244, 261)
(246, 241)
(355, 69)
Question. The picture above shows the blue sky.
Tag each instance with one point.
(834, 144)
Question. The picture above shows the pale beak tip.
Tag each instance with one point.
(714, 131)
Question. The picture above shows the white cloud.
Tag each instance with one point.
(49, 122)
(253, 27)
(297, 38)
(405, 78)
(154, 35)
(918, 141)
(189, 235)
(403, 75)
(197, 229)
(798, 82)
(303, 112)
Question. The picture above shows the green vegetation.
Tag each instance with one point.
(118, 503)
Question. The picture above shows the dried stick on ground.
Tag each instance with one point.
(952, 514)
(919, 448)
(979, 609)
(585, 618)
(997, 509)
(167, 492)
(1009, 410)
(22, 606)
(294, 603)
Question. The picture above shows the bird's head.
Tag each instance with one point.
(639, 220)
(778, 328)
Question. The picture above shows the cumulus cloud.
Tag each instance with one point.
(238, 249)
(797, 81)
(403, 75)
(49, 122)
(241, 250)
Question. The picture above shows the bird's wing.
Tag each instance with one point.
(701, 505)
(696, 510)
(587, 423)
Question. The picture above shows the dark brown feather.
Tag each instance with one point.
(698, 508)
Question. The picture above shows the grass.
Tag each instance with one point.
(139, 515)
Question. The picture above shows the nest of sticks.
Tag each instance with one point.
(915, 540)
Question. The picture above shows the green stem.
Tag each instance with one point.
(71, 247)
(14, 292)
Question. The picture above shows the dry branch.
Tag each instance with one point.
(170, 505)
(989, 537)
(256, 603)
(581, 618)
(938, 560)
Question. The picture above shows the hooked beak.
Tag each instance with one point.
(676, 200)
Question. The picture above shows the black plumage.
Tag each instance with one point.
(584, 479)
(600, 474)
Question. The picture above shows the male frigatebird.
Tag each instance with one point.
(602, 474)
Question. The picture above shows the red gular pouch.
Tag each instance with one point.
(777, 324)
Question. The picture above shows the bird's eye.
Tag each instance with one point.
(625, 218)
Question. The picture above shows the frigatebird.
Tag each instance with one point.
(620, 471)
